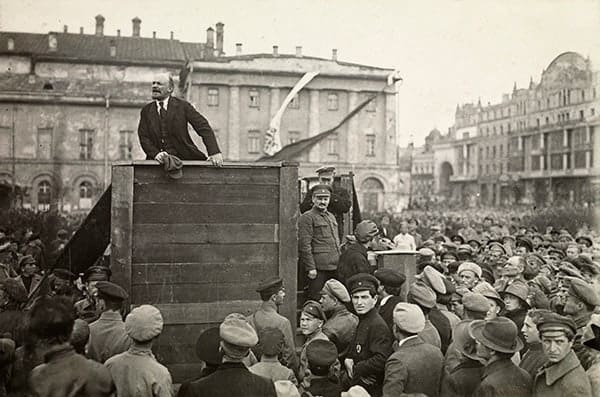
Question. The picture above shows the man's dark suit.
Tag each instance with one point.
(179, 142)
(387, 310)
(230, 380)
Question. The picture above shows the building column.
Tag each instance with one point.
(232, 152)
(353, 135)
(314, 124)
(390, 128)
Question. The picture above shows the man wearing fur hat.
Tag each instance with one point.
(232, 378)
(136, 371)
(415, 366)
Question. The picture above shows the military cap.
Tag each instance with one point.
(555, 322)
(449, 254)
(489, 292)
(585, 240)
(363, 282)
(440, 238)
(474, 241)
(422, 295)
(459, 238)
(426, 252)
(498, 246)
(470, 266)
(536, 257)
(336, 289)
(435, 227)
(466, 248)
(207, 346)
(322, 190)
(475, 302)
(97, 273)
(556, 252)
(450, 246)
(525, 242)
(518, 289)
(14, 289)
(314, 309)
(583, 291)
(564, 234)
(321, 353)
(390, 278)
(63, 274)
(270, 341)
(111, 290)
(26, 260)
(270, 286)
(507, 237)
(144, 323)
(409, 317)
(237, 331)
(325, 169)
(435, 280)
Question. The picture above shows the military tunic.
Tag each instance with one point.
(108, 337)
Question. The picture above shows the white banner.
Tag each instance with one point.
(272, 136)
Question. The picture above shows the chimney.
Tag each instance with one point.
(81, 30)
(118, 32)
(172, 35)
(113, 48)
(334, 54)
(153, 35)
(238, 48)
(10, 44)
(136, 24)
(220, 26)
(275, 50)
(65, 29)
(52, 42)
(299, 51)
(210, 38)
(99, 25)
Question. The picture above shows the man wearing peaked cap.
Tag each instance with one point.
(496, 341)
(272, 294)
(341, 324)
(414, 367)
(390, 285)
(372, 342)
(136, 371)
(232, 378)
(86, 307)
(524, 246)
(321, 355)
(108, 336)
(563, 374)
(476, 306)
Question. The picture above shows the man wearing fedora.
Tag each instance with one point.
(563, 375)
(496, 342)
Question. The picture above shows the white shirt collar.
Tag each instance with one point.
(384, 300)
(165, 103)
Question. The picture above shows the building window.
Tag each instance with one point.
(535, 162)
(295, 102)
(580, 159)
(332, 145)
(5, 142)
(332, 101)
(86, 144)
(494, 152)
(85, 195)
(44, 196)
(592, 111)
(508, 127)
(372, 195)
(253, 141)
(581, 115)
(44, 144)
(535, 141)
(125, 144)
(501, 148)
(293, 136)
(556, 162)
(370, 145)
(254, 98)
(213, 97)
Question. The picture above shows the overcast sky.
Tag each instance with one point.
(448, 52)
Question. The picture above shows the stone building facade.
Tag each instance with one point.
(539, 145)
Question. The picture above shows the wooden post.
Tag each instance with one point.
(288, 235)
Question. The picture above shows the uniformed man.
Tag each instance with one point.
(272, 293)
(108, 336)
(318, 242)
(372, 343)
(86, 307)
(341, 324)
(390, 286)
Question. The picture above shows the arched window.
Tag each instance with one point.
(44, 196)
(85, 195)
(372, 195)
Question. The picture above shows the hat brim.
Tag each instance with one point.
(476, 332)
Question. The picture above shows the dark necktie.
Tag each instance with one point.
(163, 111)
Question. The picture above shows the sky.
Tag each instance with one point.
(448, 52)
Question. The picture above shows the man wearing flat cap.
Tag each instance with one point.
(318, 242)
(496, 342)
(321, 355)
(136, 371)
(232, 378)
(108, 336)
(341, 324)
(415, 366)
(272, 294)
(563, 375)
(390, 286)
(424, 297)
(372, 343)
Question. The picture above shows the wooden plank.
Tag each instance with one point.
(152, 233)
(121, 226)
(205, 253)
(189, 293)
(210, 176)
(208, 312)
(200, 273)
(201, 193)
(145, 213)
(183, 333)
(288, 237)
